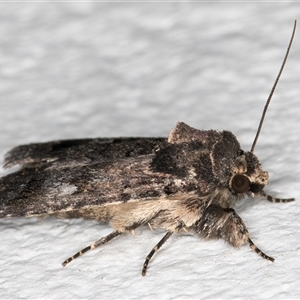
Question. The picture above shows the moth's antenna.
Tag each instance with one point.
(273, 89)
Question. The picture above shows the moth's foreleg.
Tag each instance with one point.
(155, 249)
(98, 243)
(275, 200)
(225, 223)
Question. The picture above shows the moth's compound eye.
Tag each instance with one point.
(240, 184)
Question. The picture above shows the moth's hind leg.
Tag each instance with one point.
(154, 250)
(259, 252)
(98, 243)
(225, 223)
(275, 200)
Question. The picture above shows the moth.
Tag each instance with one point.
(189, 181)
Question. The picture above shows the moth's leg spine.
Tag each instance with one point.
(98, 243)
(275, 200)
(259, 252)
(155, 249)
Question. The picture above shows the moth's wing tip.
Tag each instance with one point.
(17, 156)
(28, 155)
(9, 159)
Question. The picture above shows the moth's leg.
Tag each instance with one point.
(259, 252)
(98, 243)
(275, 200)
(225, 223)
(155, 249)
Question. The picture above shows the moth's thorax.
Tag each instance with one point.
(249, 166)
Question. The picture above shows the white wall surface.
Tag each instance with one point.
(74, 70)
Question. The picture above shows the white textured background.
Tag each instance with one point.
(71, 70)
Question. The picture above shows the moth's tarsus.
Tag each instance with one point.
(98, 243)
(273, 88)
(155, 249)
(275, 200)
(259, 252)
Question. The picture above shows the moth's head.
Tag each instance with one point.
(247, 176)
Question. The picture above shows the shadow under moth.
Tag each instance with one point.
(187, 182)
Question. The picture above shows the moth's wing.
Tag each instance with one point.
(46, 190)
(78, 152)
(67, 175)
